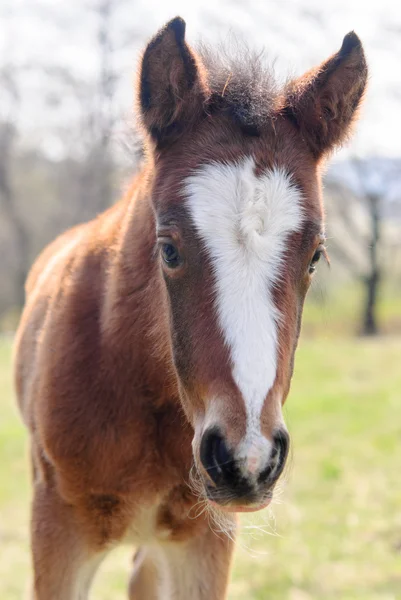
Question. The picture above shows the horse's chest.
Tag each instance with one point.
(145, 527)
(172, 518)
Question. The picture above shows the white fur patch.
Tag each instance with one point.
(245, 222)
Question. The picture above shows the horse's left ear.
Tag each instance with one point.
(324, 102)
(172, 87)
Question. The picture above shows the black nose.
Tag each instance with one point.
(216, 458)
(228, 474)
(281, 445)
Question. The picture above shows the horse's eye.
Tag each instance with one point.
(170, 255)
(315, 260)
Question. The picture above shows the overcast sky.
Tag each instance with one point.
(298, 34)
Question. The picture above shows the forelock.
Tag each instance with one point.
(241, 83)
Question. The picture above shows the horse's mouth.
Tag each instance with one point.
(240, 505)
(239, 508)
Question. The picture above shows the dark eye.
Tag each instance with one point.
(315, 260)
(170, 255)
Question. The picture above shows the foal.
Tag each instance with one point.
(157, 343)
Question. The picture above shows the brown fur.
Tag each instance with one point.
(116, 359)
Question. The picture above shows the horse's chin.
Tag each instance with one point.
(238, 508)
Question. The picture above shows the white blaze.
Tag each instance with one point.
(245, 221)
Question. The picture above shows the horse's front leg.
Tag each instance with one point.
(197, 569)
(63, 563)
(144, 583)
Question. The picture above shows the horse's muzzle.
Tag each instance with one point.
(228, 483)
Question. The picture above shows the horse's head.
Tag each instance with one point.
(239, 215)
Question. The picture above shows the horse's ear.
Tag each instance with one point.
(172, 86)
(324, 102)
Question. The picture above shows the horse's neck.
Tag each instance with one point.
(135, 313)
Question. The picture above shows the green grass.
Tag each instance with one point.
(336, 530)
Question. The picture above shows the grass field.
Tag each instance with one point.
(335, 531)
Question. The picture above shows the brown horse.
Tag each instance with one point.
(156, 347)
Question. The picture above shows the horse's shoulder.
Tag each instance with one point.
(59, 324)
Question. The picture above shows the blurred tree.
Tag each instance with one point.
(70, 174)
(87, 140)
(8, 195)
(360, 197)
(108, 78)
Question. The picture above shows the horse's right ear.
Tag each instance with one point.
(172, 87)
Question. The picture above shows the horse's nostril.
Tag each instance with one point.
(281, 444)
(220, 451)
(281, 441)
(214, 454)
